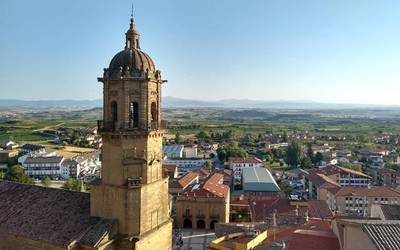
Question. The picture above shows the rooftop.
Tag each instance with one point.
(243, 160)
(52, 159)
(313, 240)
(64, 216)
(259, 179)
(374, 191)
(172, 149)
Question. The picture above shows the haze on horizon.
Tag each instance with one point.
(325, 51)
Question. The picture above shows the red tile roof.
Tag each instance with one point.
(56, 216)
(211, 187)
(216, 178)
(373, 191)
(169, 167)
(253, 160)
(333, 169)
(313, 240)
(188, 179)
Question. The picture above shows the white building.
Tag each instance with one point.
(43, 152)
(189, 152)
(237, 165)
(40, 167)
(185, 164)
(173, 151)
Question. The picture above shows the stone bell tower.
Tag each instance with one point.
(132, 189)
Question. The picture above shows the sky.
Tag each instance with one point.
(335, 51)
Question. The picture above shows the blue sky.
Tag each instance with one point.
(332, 51)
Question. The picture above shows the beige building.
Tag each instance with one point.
(358, 200)
(129, 207)
(201, 205)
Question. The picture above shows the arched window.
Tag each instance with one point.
(133, 115)
(154, 115)
(114, 111)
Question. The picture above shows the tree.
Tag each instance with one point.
(16, 173)
(71, 184)
(306, 162)
(232, 150)
(178, 138)
(284, 186)
(348, 165)
(46, 182)
(294, 154)
(203, 135)
(208, 164)
(318, 157)
(285, 137)
(310, 153)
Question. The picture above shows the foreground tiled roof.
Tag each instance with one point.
(384, 235)
(45, 214)
(263, 208)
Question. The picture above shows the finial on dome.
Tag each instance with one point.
(132, 36)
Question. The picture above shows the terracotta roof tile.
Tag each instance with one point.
(375, 191)
(51, 215)
(188, 179)
(313, 240)
(253, 160)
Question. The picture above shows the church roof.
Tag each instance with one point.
(55, 216)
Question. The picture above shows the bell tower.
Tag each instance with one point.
(132, 189)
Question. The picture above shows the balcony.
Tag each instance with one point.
(187, 216)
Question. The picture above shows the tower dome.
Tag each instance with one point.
(131, 61)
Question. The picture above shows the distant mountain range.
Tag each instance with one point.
(15, 103)
(174, 102)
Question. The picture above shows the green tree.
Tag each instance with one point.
(231, 150)
(230, 134)
(208, 164)
(203, 135)
(306, 162)
(348, 165)
(310, 153)
(46, 182)
(284, 186)
(318, 157)
(278, 153)
(294, 154)
(16, 173)
(178, 138)
(71, 184)
(285, 137)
